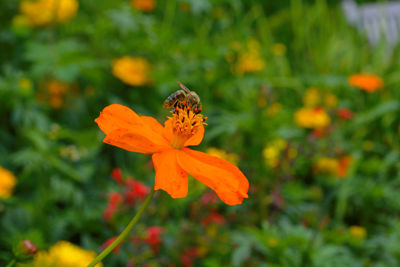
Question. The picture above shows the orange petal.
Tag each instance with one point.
(196, 138)
(153, 124)
(170, 177)
(127, 130)
(117, 116)
(220, 175)
(135, 140)
(168, 131)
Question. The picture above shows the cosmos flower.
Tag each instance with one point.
(172, 158)
(44, 12)
(64, 254)
(132, 71)
(327, 165)
(358, 232)
(250, 60)
(7, 183)
(314, 97)
(334, 166)
(312, 118)
(272, 152)
(366, 81)
(144, 5)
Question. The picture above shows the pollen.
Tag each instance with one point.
(185, 123)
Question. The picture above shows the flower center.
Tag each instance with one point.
(185, 124)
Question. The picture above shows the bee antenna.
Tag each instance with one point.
(183, 87)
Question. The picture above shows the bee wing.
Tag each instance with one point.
(183, 87)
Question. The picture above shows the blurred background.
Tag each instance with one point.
(302, 95)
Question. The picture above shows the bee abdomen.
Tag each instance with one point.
(178, 96)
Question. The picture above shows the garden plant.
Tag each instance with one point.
(196, 133)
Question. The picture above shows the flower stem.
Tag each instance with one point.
(125, 232)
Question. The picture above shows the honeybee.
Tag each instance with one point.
(183, 97)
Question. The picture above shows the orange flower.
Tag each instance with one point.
(365, 81)
(171, 158)
(143, 5)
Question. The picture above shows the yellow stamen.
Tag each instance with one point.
(185, 124)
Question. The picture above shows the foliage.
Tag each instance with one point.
(252, 63)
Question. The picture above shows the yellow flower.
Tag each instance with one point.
(222, 154)
(143, 5)
(64, 254)
(250, 61)
(330, 100)
(272, 242)
(272, 152)
(278, 49)
(327, 165)
(7, 183)
(312, 97)
(358, 232)
(132, 71)
(312, 118)
(25, 85)
(44, 12)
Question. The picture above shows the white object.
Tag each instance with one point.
(376, 20)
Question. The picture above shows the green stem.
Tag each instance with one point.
(12, 263)
(124, 233)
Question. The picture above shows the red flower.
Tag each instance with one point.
(318, 133)
(153, 235)
(345, 113)
(209, 197)
(116, 174)
(113, 200)
(136, 189)
(214, 217)
(188, 256)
